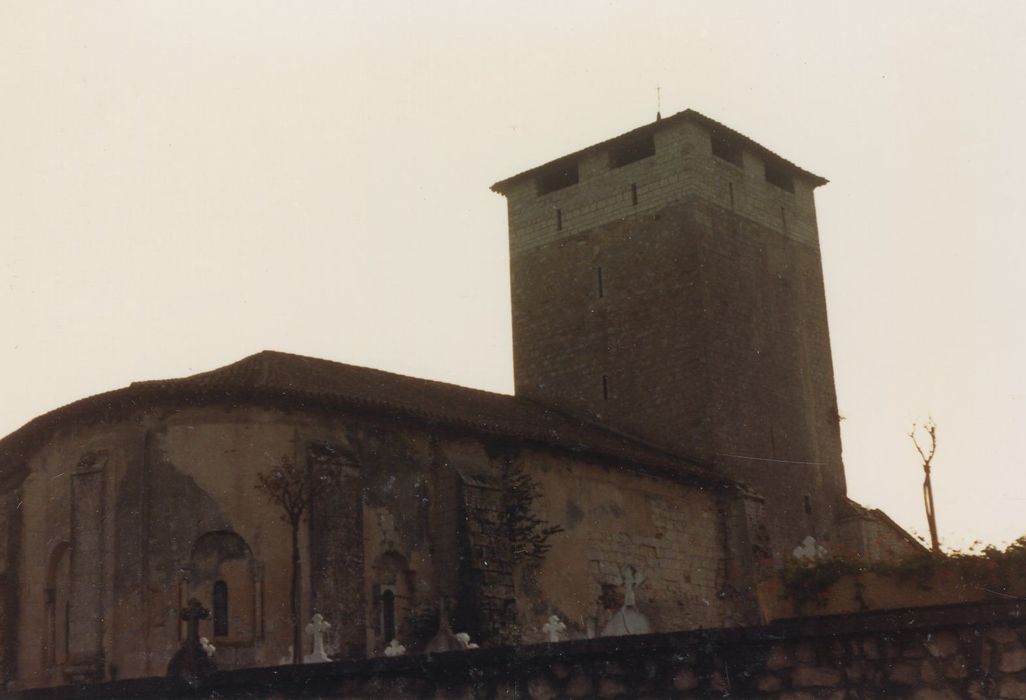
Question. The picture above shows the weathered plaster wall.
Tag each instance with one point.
(129, 518)
(613, 519)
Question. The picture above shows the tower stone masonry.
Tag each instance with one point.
(668, 283)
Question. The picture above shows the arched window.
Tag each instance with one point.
(220, 604)
(57, 598)
(388, 614)
(222, 576)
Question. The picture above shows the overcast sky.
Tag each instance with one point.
(185, 183)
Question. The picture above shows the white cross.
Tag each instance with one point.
(394, 648)
(317, 628)
(554, 627)
(632, 578)
(809, 550)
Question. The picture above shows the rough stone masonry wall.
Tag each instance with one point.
(973, 651)
(612, 519)
(709, 334)
(683, 165)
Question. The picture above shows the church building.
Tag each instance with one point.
(673, 435)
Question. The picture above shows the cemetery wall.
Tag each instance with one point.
(954, 653)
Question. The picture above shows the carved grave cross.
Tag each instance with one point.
(632, 578)
(191, 614)
(317, 627)
(554, 627)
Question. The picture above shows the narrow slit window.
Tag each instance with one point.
(220, 602)
(559, 219)
(388, 615)
(50, 596)
(601, 290)
(605, 387)
(808, 504)
(67, 629)
(783, 219)
(731, 186)
(634, 194)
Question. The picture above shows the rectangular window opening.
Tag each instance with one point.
(631, 150)
(601, 291)
(605, 387)
(220, 605)
(556, 177)
(559, 219)
(778, 175)
(728, 148)
(731, 186)
(783, 219)
(634, 194)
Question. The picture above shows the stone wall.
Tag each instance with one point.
(682, 165)
(127, 519)
(613, 519)
(709, 334)
(927, 654)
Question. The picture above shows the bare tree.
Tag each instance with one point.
(293, 487)
(931, 517)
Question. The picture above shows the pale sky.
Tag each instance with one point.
(185, 183)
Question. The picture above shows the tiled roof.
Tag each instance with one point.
(687, 114)
(854, 509)
(308, 382)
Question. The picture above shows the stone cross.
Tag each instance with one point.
(194, 658)
(394, 648)
(554, 627)
(317, 627)
(632, 578)
(809, 550)
(191, 614)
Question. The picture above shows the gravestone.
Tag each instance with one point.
(554, 628)
(317, 627)
(628, 619)
(464, 639)
(809, 550)
(192, 659)
(445, 640)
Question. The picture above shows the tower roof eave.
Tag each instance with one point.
(502, 186)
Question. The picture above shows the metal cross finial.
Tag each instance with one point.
(659, 102)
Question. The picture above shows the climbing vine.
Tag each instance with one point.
(528, 532)
(991, 569)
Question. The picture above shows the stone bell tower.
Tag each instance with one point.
(667, 283)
